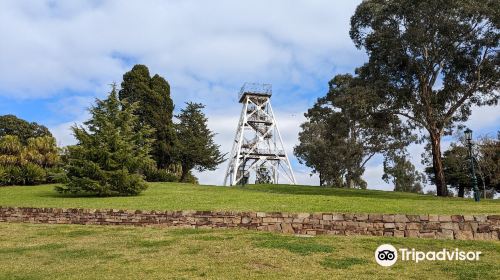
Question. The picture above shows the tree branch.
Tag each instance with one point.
(468, 93)
(367, 159)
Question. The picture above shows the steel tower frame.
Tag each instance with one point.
(258, 142)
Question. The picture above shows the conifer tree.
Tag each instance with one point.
(112, 151)
(155, 108)
(196, 146)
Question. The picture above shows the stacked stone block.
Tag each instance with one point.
(464, 227)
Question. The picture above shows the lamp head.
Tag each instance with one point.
(468, 134)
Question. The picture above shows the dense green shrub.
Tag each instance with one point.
(33, 174)
(154, 174)
(27, 164)
(190, 178)
(56, 175)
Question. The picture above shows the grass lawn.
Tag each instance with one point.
(30, 251)
(176, 196)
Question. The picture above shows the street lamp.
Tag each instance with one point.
(468, 138)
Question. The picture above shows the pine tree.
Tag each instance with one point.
(112, 150)
(196, 146)
(155, 108)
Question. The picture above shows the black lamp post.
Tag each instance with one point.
(468, 138)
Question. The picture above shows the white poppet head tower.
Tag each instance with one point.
(258, 146)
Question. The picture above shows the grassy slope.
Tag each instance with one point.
(175, 196)
(92, 252)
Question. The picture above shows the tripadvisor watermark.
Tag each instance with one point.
(387, 255)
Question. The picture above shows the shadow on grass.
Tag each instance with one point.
(55, 194)
(328, 191)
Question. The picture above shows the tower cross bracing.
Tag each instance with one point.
(258, 152)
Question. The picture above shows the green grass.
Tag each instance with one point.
(176, 196)
(36, 251)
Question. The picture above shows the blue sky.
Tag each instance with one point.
(57, 56)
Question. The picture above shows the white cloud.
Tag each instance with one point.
(79, 45)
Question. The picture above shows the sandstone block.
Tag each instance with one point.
(444, 218)
(400, 218)
(361, 217)
(457, 218)
(449, 226)
(427, 234)
(413, 226)
(483, 228)
(411, 233)
(399, 233)
(303, 215)
(269, 220)
(348, 217)
(389, 225)
(261, 214)
(464, 235)
(445, 234)
(494, 217)
(400, 226)
(468, 218)
(375, 217)
(433, 218)
(480, 218)
(327, 217)
(423, 217)
(431, 226)
(413, 218)
(337, 217)
(388, 218)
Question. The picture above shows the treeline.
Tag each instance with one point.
(129, 139)
(28, 153)
(456, 166)
(429, 63)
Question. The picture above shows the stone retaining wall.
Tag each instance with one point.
(478, 227)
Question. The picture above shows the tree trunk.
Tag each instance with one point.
(348, 180)
(437, 164)
(321, 180)
(184, 173)
(461, 191)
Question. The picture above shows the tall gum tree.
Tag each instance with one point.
(344, 131)
(430, 61)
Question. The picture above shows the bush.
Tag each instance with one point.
(33, 174)
(154, 174)
(10, 175)
(28, 174)
(56, 175)
(3, 176)
(190, 178)
(25, 164)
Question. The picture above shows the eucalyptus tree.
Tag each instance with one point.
(431, 61)
(344, 130)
